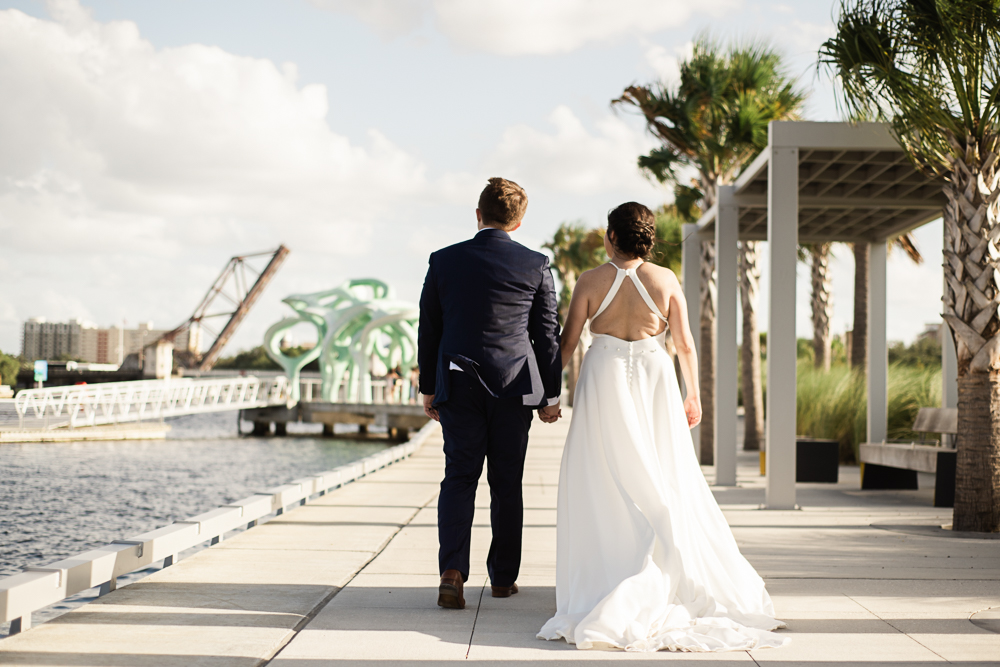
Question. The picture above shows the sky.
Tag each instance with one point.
(142, 144)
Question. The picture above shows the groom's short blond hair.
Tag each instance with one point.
(502, 203)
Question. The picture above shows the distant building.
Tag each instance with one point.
(86, 342)
(49, 340)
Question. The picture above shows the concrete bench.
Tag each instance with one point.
(895, 465)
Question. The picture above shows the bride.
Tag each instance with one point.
(645, 558)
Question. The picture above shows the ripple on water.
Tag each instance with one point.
(58, 499)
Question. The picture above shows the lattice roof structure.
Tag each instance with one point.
(855, 184)
(813, 183)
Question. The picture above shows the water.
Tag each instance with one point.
(59, 499)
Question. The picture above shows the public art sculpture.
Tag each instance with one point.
(356, 322)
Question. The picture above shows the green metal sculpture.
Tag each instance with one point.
(354, 323)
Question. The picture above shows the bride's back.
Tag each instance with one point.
(627, 317)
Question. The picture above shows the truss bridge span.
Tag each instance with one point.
(124, 402)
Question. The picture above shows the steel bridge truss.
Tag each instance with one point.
(124, 402)
(229, 299)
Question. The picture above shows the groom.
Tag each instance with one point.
(488, 355)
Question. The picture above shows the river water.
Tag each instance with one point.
(59, 499)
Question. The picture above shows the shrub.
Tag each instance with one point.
(833, 405)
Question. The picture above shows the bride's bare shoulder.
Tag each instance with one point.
(595, 277)
(661, 275)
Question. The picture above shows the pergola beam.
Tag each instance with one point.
(858, 202)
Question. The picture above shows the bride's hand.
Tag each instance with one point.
(692, 407)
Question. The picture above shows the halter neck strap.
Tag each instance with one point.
(619, 279)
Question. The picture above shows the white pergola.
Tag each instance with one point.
(813, 183)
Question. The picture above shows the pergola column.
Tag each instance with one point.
(878, 359)
(691, 278)
(726, 376)
(782, 250)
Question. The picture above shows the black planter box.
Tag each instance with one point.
(817, 460)
(944, 478)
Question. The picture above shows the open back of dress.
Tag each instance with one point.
(616, 286)
(645, 558)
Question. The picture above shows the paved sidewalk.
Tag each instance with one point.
(850, 593)
(351, 580)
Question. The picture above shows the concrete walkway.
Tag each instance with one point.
(351, 580)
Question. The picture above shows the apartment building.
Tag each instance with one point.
(87, 342)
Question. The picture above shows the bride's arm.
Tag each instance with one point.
(575, 319)
(687, 355)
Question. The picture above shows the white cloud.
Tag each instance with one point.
(130, 174)
(573, 160)
(805, 37)
(666, 62)
(391, 18)
(105, 134)
(526, 27)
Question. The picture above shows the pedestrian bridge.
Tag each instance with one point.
(145, 400)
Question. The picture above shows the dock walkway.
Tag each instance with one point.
(860, 577)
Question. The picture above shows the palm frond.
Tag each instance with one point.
(715, 119)
(928, 67)
(907, 244)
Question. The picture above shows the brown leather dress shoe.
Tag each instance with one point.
(450, 591)
(504, 591)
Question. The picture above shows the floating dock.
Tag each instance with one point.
(150, 431)
(398, 419)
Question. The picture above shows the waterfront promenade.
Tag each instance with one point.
(350, 579)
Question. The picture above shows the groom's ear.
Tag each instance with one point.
(515, 227)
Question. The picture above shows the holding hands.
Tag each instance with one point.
(550, 414)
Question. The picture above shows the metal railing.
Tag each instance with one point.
(397, 393)
(38, 587)
(124, 402)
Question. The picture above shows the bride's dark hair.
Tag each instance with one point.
(634, 227)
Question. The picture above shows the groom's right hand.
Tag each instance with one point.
(429, 408)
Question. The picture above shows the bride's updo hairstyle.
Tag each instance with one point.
(634, 228)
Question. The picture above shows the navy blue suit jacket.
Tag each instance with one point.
(489, 305)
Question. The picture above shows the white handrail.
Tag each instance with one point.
(116, 402)
(382, 392)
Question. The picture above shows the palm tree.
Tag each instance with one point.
(932, 69)
(821, 300)
(667, 249)
(753, 391)
(715, 121)
(574, 249)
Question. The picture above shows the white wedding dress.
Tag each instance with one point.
(645, 558)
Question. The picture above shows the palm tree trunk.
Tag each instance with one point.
(859, 338)
(706, 373)
(972, 229)
(822, 304)
(753, 394)
(977, 475)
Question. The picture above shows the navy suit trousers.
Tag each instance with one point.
(478, 427)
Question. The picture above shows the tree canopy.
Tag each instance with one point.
(715, 120)
(931, 68)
